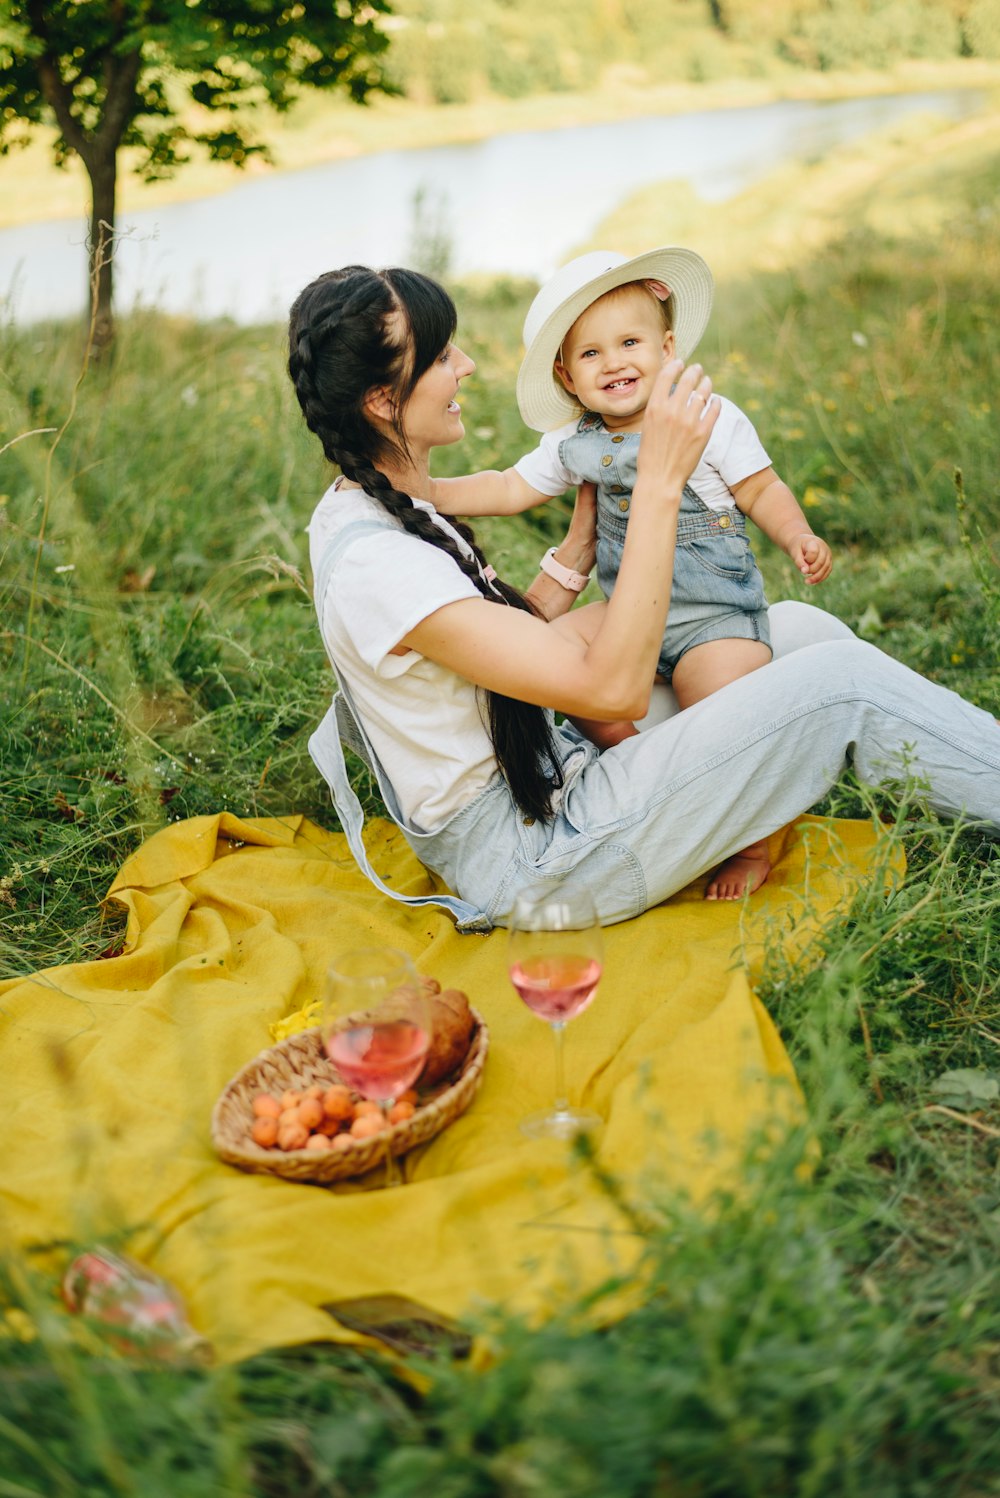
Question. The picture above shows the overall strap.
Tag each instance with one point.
(342, 725)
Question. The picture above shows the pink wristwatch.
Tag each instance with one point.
(574, 581)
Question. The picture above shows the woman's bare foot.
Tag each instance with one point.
(741, 874)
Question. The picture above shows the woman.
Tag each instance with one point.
(448, 676)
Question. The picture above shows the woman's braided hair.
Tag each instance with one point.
(344, 341)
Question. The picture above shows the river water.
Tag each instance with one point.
(518, 203)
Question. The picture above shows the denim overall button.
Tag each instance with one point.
(606, 460)
(618, 439)
(724, 522)
(618, 489)
(623, 505)
(529, 821)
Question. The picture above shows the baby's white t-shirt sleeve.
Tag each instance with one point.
(543, 468)
(382, 587)
(734, 449)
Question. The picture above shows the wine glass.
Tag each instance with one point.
(554, 956)
(377, 1028)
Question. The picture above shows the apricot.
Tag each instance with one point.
(294, 1137)
(310, 1112)
(401, 1111)
(329, 1127)
(290, 1098)
(341, 1142)
(409, 1096)
(337, 1103)
(266, 1106)
(364, 1108)
(318, 1143)
(367, 1126)
(264, 1131)
(314, 1091)
(287, 1117)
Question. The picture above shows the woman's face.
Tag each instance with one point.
(432, 416)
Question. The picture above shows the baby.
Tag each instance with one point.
(596, 336)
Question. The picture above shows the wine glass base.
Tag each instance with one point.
(567, 1123)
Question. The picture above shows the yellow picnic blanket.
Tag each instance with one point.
(111, 1069)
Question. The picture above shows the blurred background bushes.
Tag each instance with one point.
(446, 53)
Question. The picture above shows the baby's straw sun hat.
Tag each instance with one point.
(544, 401)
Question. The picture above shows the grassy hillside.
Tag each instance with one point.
(158, 658)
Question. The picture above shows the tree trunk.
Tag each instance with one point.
(103, 172)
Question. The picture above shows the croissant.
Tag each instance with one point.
(452, 1025)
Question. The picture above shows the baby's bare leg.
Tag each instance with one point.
(698, 674)
(583, 624)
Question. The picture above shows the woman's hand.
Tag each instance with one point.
(676, 427)
(577, 551)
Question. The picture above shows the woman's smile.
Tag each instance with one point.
(433, 415)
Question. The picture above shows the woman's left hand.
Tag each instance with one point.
(577, 551)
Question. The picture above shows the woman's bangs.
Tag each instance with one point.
(431, 314)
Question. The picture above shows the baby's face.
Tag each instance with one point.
(612, 355)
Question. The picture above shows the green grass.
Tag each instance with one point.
(833, 1337)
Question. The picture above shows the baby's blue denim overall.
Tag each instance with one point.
(717, 591)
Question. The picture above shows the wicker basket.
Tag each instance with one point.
(298, 1063)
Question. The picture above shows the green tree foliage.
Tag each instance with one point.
(166, 75)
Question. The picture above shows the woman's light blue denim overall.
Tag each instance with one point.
(717, 591)
(651, 814)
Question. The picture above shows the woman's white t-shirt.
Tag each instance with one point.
(424, 721)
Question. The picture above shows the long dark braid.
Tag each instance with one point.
(356, 330)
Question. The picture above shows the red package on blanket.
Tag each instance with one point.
(144, 1312)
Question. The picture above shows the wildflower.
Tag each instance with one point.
(859, 340)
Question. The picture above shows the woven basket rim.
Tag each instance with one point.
(302, 1055)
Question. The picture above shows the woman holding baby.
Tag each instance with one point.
(449, 679)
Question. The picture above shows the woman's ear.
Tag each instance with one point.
(378, 404)
(565, 376)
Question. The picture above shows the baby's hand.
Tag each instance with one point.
(812, 557)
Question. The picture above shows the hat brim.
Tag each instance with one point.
(543, 400)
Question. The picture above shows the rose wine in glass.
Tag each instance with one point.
(376, 1027)
(555, 952)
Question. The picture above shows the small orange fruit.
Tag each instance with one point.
(290, 1098)
(367, 1125)
(401, 1111)
(314, 1091)
(310, 1112)
(294, 1137)
(409, 1096)
(318, 1143)
(264, 1131)
(337, 1103)
(266, 1106)
(364, 1107)
(341, 1142)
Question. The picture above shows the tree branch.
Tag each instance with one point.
(57, 91)
(119, 99)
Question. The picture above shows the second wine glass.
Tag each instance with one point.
(555, 954)
(377, 1028)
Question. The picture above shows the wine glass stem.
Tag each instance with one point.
(562, 1101)
(392, 1175)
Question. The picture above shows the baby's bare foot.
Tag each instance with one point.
(740, 875)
